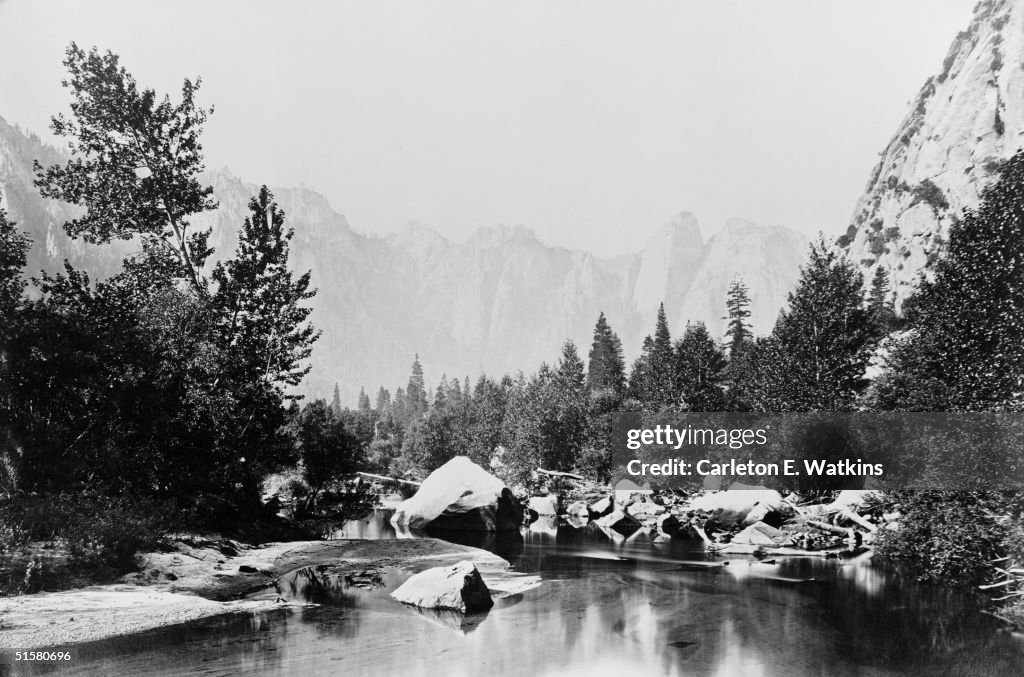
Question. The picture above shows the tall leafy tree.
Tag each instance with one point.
(135, 162)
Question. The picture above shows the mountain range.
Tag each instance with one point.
(504, 300)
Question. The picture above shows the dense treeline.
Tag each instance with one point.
(164, 388)
(559, 417)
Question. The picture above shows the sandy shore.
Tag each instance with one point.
(202, 578)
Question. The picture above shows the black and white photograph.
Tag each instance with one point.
(550, 337)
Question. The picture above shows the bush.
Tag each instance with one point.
(950, 537)
(100, 534)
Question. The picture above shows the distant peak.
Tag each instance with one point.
(502, 234)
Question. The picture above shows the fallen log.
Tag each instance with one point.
(830, 528)
(559, 473)
(389, 479)
(857, 519)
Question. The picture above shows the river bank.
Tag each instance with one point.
(198, 578)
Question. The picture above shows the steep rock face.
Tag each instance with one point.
(965, 121)
(43, 218)
(500, 302)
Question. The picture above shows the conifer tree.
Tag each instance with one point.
(964, 350)
(383, 401)
(263, 319)
(416, 392)
(336, 401)
(364, 400)
(816, 356)
(606, 368)
(699, 368)
(737, 304)
(881, 306)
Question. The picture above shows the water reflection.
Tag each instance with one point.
(606, 607)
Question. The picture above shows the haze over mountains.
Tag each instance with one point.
(504, 301)
(500, 302)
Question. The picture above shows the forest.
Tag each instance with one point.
(164, 397)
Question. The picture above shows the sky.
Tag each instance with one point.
(590, 121)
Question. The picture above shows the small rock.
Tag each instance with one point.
(761, 534)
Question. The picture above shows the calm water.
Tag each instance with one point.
(603, 609)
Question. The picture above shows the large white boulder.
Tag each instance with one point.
(732, 506)
(459, 587)
(461, 495)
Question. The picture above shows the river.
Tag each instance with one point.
(603, 608)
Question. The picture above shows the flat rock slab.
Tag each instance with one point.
(198, 580)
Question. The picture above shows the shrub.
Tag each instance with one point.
(950, 537)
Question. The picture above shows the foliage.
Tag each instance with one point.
(964, 352)
(816, 356)
(950, 537)
(699, 368)
(737, 303)
(135, 162)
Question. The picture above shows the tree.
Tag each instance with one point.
(737, 303)
(14, 247)
(416, 392)
(699, 365)
(606, 370)
(383, 402)
(326, 448)
(135, 164)
(881, 306)
(260, 303)
(364, 400)
(652, 379)
(817, 354)
(336, 401)
(963, 351)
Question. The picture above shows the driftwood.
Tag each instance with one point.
(558, 473)
(830, 528)
(858, 520)
(389, 479)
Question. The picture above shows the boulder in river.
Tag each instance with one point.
(601, 507)
(619, 521)
(459, 587)
(731, 507)
(461, 495)
(544, 505)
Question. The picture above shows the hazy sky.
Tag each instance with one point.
(590, 121)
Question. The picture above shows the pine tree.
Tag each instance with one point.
(383, 402)
(364, 400)
(640, 381)
(336, 401)
(606, 368)
(816, 356)
(699, 367)
(260, 303)
(661, 365)
(416, 392)
(737, 304)
(881, 306)
(964, 350)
